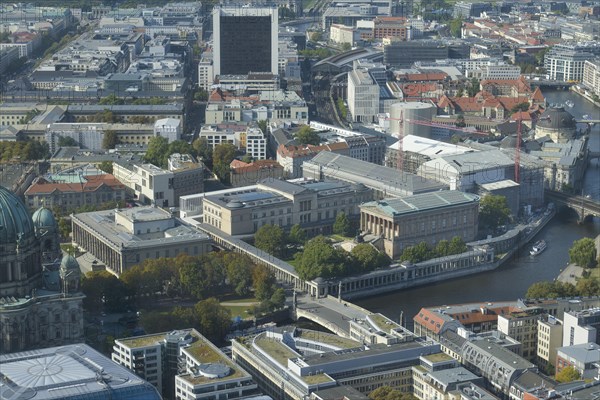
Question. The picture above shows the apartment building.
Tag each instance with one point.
(565, 61)
(581, 327)
(523, 327)
(549, 338)
(591, 75)
(246, 137)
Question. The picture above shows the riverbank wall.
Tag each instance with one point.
(583, 94)
(483, 256)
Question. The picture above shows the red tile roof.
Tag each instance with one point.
(93, 183)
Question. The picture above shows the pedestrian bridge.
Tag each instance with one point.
(583, 206)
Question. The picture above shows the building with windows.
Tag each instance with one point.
(549, 338)
(292, 363)
(169, 128)
(581, 327)
(565, 61)
(92, 190)
(247, 137)
(121, 238)
(245, 40)
(40, 301)
(312, 204)
(184, 365)
(591, 75)
(363, 95)
(523, 327)
(583, 357)
(69, 372)
(428, 217)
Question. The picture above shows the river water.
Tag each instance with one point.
(511, 280)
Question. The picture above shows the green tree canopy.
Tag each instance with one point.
(110, 100)
(110, 139)
(387, 393)
(583, 253)
(319, 258)
(307, 135)
(524, 106)
(342, 225)
(368, 257)
(214, 320)
(297, 235)
(493, 211)
(550, 290)
(158, 146)
(271, 239)
(203, 150)
(568, 374)
(222, 155)
(588, 286)
(239, 272)
(103, 290)
(417, 253)
(263, 282)
(456, 27)
(106, 166)
(473, 88)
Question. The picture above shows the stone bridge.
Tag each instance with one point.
(583, 206)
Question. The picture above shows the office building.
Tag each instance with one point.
(119, 239)
(581, 327)
(245, 40)
(549, 338)
(363, 96)
(70, 372)
(583, 357)
(591, 75)
(523, 327)
(428, 217)
(183, 364)
(40, 301)
(565, 61)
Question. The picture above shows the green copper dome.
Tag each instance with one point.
(43, 218)
(69, 263)
(15, 221)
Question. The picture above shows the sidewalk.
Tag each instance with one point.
(570, 274)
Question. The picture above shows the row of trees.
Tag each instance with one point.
(422, 251)
(114, 100)
(23, 150)
(320, 259)
(589, 286)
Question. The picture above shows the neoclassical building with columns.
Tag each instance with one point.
(427, 217)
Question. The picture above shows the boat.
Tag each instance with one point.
(569, 103)
(538, 247)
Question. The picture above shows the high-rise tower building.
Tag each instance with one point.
(245, 40)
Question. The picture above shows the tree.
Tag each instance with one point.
(201, 95)
(588, 287)
(550, 290)
(307, 135)
(203, 149)
(583, 253)
(473, 87)
(67, 141)
(460, 121)
(456, 27)
(263, 282)
(239, 272)
(194, 279)
(271, 239)
(111, 99)
(214, 319)
(297, 235)
(315, 36)
(342, 225)
(262, 125)
(368, 257)
(223, 154)
(110, 139)
(493, 211)
(278, 299)
(417, 253)
(64, 227)
(568, 374)
(158, 146)
(387, 393)
(442, 248)
(346, 46)
(106, 166)
(319, 258)
(456, 246)
(103, 290)
(524, 106)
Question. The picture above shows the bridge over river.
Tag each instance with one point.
(582, 205)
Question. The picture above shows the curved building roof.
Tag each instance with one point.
(15, 221)
(68, 263)
(556, 117)
(43, 218)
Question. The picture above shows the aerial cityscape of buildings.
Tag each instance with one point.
(265, 200)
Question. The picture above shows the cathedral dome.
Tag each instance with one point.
(69, 263)
(556, 118)
(15, 221)
(43, 218)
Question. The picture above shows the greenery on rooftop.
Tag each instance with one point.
(279, 351)
(383, 323)
(329, 338)
(438, 357)
(316, 379)
(142, 341)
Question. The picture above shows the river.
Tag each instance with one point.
(511, 280)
